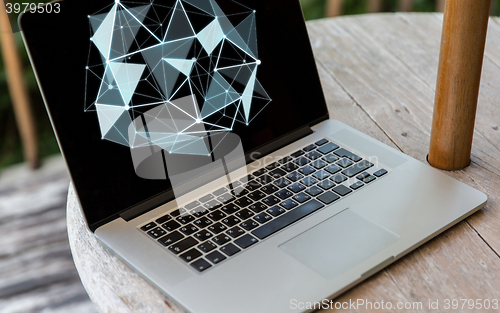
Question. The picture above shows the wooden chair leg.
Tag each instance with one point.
(459, 75)
(440, 5)
(333, 8)
(405, 5)
(18, 92)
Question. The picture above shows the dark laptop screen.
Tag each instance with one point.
(84, 58)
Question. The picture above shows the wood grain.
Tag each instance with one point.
(459, 75)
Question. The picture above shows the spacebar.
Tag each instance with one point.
(287, 219)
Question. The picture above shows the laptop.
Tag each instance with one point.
(199, 143)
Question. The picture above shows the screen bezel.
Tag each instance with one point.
(27, 21)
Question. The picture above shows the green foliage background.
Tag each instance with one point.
(10, 143)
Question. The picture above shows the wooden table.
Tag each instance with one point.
(379, 76)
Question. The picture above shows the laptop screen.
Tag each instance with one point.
(108, 70)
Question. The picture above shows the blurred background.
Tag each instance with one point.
(11, 144)
(37, 273)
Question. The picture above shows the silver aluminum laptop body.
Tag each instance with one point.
(320, 256)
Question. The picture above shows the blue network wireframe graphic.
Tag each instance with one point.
(169, 75)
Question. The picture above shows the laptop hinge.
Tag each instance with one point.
(278, 143)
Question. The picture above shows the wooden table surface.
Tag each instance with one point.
(379, 76)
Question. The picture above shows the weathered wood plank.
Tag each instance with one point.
(37, 270)
(400, 101)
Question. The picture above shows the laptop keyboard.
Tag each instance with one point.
(238, 216)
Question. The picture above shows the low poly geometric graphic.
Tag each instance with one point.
(170, 73)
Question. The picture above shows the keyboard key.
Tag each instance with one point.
(249, 225)
(215, 257)
(380, 173)
(221, 239)
(150, 226)
(326, 184)
(230, 208)
(190, 255)
(314, 191)
(217, 228)
(200, 265)
(272, 166)
(309, 147)
(321, 142)
(217, 215)
(338, 178)
(297, 187)
(244, 214)
(318, 164)
(203, 235)
(330, 158)
(243, 202)
(301, 197)
(233, 185)
(185, 219)
(230, 249)
(357, 185)
(328, 148)
(188, 229)
(271, 200)
(170, 238)
(343, 153)
(287, 219)
(199, 212)
(191, 205)
(342, 190)
(225, 198)
(183, 245)
(219, 192)
(314, 155)
(276, 210)
(246, 241)
(332, 169)
(306, 170)
(285, 160)
(235, 232)
(283, 194)
(264, 179)
(345, 162)
(253, 185)
(247, 178)
(301, 161)
(207, 246)
(256, 195)
(297, 154)
(258, 207)
(269, 189)
(294, 176)
(282, 182)
(289, 204)
(231, 221)
(163, 219)
(290, 167)
(362, 175)
(320, 175)
(357, 168)
(259, 172)
(262, 218)
(277, 173)
(171, 225)
(206, 198)
(175, 213)
(212, 205)
(369, 179)
(308, 181)
(328, 197)
(202, 222)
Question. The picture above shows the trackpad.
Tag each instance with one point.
(338, 244)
